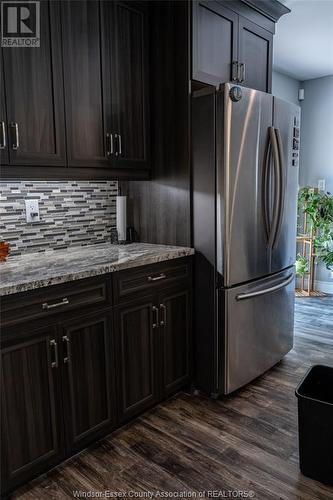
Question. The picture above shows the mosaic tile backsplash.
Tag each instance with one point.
(72, 213)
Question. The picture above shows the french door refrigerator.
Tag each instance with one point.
(245, 146)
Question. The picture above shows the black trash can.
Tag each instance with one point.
(315, 423)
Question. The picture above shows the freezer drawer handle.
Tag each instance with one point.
(284, 283)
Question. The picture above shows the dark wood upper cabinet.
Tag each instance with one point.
(215, 31)
(32, 430)
(255, 53)
(137, 349)
(129, 76)
(105, 75)
(34, 96)
(88, 364)
(175, 326)
(4, 159)
(87, 95)
(227, 46)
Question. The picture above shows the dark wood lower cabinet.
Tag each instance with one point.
(32, 430)
(58, 393)
(175, 325)
(137, 349)
(69, 379)
(154, 348)
(88, 374)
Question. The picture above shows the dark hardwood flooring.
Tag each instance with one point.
(244, 442)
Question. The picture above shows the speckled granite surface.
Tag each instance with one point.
(37, 270)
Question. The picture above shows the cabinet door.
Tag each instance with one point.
(175, 325)
(88, 367)
(137, 344)
(86, 100)
(255, 53)
(35, 107)
(128, 39)
(32, 438)
(214, 42)
(3, 120)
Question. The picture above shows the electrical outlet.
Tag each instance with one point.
(32, 210)
(321, 184)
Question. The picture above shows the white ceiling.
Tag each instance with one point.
(303, 43)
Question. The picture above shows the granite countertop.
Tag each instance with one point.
(37, 270)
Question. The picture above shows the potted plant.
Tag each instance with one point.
(318, 207)
(328, 261)
(301, 265)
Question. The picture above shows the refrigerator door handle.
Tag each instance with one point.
(265, 186)
(243, 296)
(277, 187)
(282, 186)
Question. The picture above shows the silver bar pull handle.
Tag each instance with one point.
(163, 321)
(120, 145)
(234, 71)
(16, 141)
(242, 72)
(54, 358)
(162, 276)
(156, 322)
(243, 296)
(109, 144)
(46, 306)
(65, 339)
(116, 152)
(3, 136)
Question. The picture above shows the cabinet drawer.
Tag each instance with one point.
(57, 299)
(130, 282)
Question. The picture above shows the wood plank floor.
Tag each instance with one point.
(244, 442)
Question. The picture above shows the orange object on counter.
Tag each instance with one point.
(4, 251)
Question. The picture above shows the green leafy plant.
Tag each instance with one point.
(301, 265)
(328, 260)
(319, 208)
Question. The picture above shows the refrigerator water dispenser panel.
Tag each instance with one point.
(296, 136)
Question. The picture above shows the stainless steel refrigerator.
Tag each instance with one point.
(245, 147)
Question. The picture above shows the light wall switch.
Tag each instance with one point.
(321, 184)
(32, 210)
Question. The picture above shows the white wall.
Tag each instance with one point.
(316, 157)
(285, 87)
